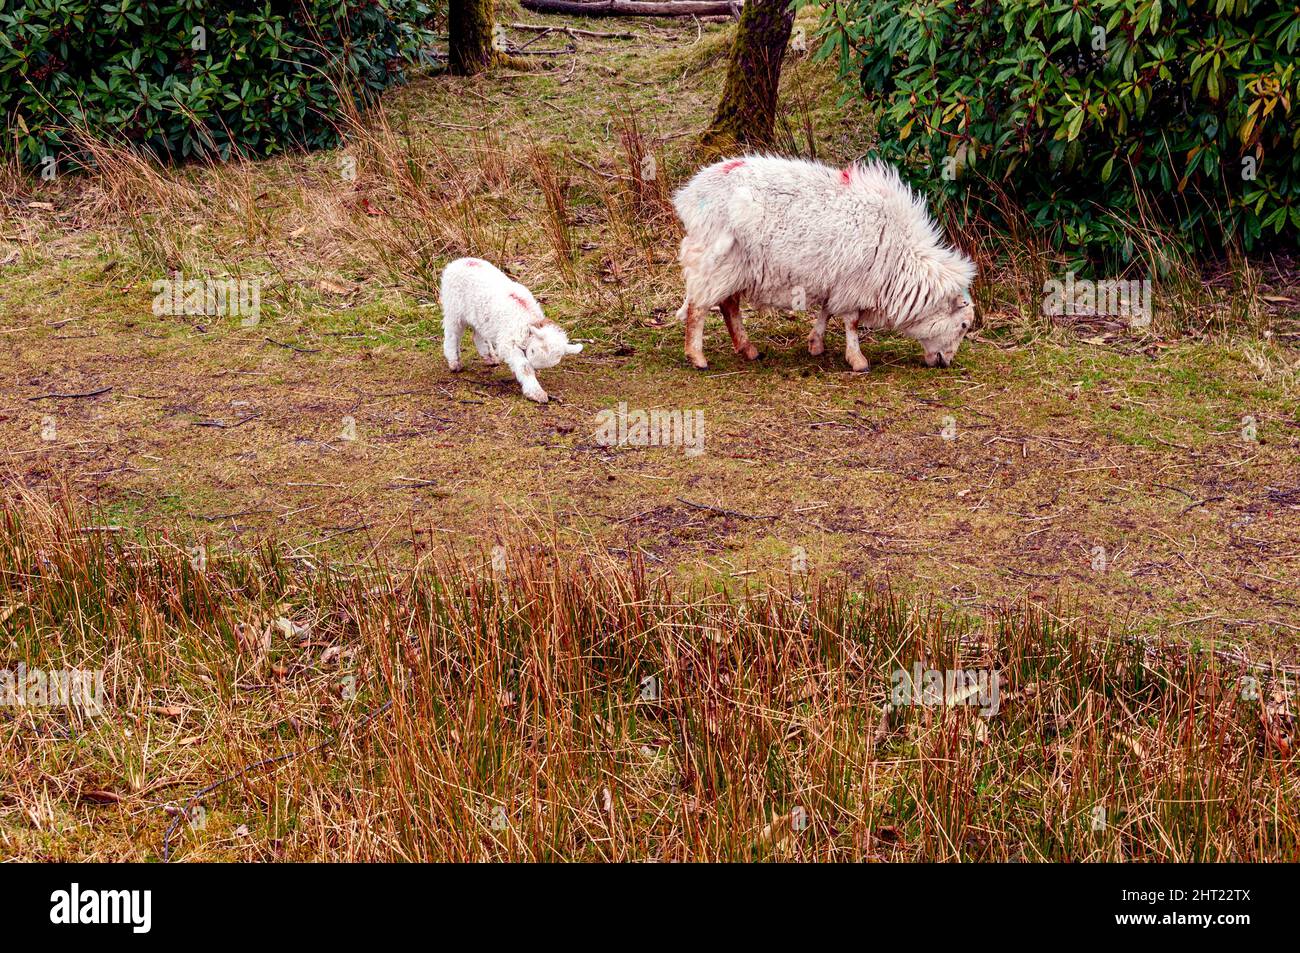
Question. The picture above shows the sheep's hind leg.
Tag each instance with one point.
(817, 339)
(739, 340)
(452, 328)
(695, 334)
(852, 348)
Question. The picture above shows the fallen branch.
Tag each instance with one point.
(89, 393)
(294, 347)
(721, 512)
(222, 425)
(574, 31)
(636, 8)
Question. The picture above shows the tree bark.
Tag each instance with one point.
(635, 8)
(746, 114)
(469, 26)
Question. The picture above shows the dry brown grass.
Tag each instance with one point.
(534, 705)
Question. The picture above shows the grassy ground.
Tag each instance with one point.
(1149, 481)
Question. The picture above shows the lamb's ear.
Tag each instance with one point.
(573, 349)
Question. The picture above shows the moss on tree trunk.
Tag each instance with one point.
(469, 25)
(746, 114)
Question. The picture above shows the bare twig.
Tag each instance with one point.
(89, 393)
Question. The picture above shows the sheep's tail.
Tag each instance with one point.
(704, 206)
(704, 199)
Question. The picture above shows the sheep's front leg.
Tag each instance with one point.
(527, 377)
(695, 335)
(739, 340)
(852, 348)
(817, 339)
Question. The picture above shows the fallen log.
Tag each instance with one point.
(636, 8)
(553, 28)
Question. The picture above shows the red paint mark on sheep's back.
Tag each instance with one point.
(846, 175)
(472, 262)
(732, 166)
(519, 300)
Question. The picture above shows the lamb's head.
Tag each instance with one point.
(546, 343)
(940, 330)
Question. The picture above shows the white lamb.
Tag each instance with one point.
(855, 243)
(507, 321)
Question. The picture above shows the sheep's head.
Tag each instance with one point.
(940, 332)
(546, 344)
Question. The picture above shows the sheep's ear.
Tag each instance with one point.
(573, 349)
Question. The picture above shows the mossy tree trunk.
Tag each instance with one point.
(746, 115)
(469, 25)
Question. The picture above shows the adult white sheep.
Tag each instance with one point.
(856, 243)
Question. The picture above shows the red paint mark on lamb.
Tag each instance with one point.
(732, 165)
(846, 175)
(521, 301)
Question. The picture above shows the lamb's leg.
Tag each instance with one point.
(452, 328)
(485, 350)
(852, 349)
(739, 340)
(695, 334)
(526, 377)
(817, 339)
